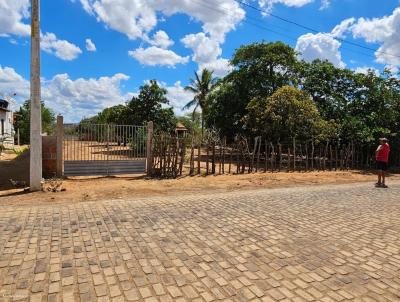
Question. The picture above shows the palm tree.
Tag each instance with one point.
(201, 86)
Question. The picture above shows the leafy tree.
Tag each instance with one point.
(114, 115)
(24, 118)
(201, 86)
(259, 70)
(288, 113)
(149, 105)
(264, 67)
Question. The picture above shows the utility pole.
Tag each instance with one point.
(36, 114)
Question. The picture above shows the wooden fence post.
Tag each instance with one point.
(294, 154)
(199, 159)
(149, 148)
(60, 139)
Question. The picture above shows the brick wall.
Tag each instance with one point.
(49, 145)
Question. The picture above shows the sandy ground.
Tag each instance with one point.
(81, 189)
(92, 189)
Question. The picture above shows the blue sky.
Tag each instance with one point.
(132, 41)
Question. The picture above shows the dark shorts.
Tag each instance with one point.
(381, 165)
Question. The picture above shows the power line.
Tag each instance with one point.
(311, 29)
(257, 21)
(226, 12)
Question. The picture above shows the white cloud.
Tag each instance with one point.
(72, 98)
(220, 67)
(324, 46)
(160, 39)
(178, 97)
(154, 56)
(82, 97)
(204, 48)
(385, 31)
(325, 4)
(60, 48)
(340, 30)
(365, 70)
(136, 18)
(12, 15)
(320, 46)
(207, 52)
(11, 82)
(268, 4)
(90, 46)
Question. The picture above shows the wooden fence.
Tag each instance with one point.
(173, 157)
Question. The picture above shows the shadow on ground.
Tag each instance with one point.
(16, 169)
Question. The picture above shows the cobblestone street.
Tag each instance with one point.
(325, 243)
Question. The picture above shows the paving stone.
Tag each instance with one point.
(132, 295)
(325, 243)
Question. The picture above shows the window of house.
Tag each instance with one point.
(2, 127)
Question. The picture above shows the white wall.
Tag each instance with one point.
(8, 126)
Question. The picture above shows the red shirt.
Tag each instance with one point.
(382, 153)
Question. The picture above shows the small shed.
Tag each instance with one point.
(181, 130)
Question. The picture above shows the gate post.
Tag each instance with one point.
(60, 140)
(149, 148)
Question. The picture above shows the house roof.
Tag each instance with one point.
(180, 126)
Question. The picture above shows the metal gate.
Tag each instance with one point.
(104, 149)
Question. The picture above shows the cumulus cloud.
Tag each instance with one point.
(207, 52)
(320, 46)
(136, 18)
(385, 31)
(90, 46)
(83, 97)
(325, 46)
(73, 98)
(11, 82)
(340, 29)
(60, 48)
(178, 97)
(12, 16)
(160, 39)
(155, 56)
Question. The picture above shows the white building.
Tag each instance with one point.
(6, 123)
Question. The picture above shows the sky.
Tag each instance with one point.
(97, 53)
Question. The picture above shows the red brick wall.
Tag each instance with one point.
(49, 145)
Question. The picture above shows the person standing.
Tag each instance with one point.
(382, 160)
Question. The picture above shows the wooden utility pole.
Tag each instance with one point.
(36, 118)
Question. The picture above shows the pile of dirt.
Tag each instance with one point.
(14, 167)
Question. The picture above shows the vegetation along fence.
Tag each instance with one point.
(173, 157)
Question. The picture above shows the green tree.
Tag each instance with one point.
(288, 113)
(114, 115)
(201, 87)
(150, 105)
(24, 118)
(259, 70)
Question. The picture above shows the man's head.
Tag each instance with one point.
(383, 140)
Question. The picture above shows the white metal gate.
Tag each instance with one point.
(104, 149)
